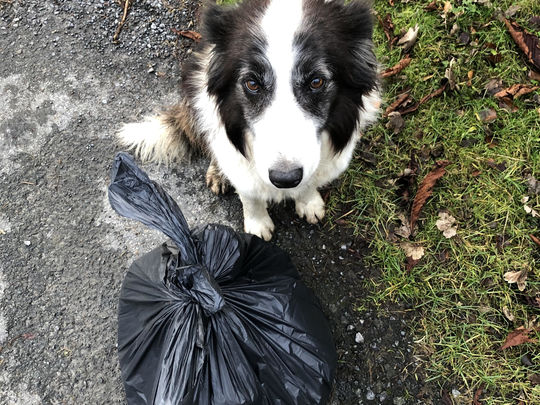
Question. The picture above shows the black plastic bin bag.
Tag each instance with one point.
(215, 318)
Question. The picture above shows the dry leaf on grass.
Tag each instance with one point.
(446, 9)
(527, 42)
(518, 337)
(414, 251)
(408, 40)
(425, 190)
(470, 75)
(404, 104)
(528, 209)
(516, 91)
(487, 115)
(395, 122)
(404, 230)
(431, 6)
(478, 394)
(534, 185)
(508, 314)
(388, 28)
(188, 34)
(518, 277)
(535, 239)
(446, 224)
(512, 10)
(493, 86)
(449, 74)
(402, 64)
(402, 100)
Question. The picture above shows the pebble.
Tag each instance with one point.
(455, 393)
(359, 338)
(370, 396)
(27, 242)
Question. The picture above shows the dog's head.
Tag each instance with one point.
(287, 73)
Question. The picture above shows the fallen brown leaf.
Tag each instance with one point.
(528, 209)
(508, 314)
(534, 379)
(402, 99)
(388, 28)
(431, 6)
(470, 75)
(411, 264)
(408, 40)
(527, 42)
(518, 337)
(517, 277)
(449, 74)
(487, 115)
(446, 9)
(533, 184)
(446, 224)
(508, 104)
(414, 251)
(512, 10)
(534, 75)
(395, 122)
(402, 64)
(404, 230)
(478, 394)
(493, 86)
(436, 93)
(516, 91)
(497, 166)
(425, 99)
(425, 190)
(446, 400)
(188, 34)
(535, 239)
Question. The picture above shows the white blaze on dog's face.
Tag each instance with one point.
(286, 72)
(286, 138)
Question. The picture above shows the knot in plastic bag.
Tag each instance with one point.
(196, 282)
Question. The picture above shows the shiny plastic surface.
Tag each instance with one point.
(217, 318)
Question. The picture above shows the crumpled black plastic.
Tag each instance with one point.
(215, 318)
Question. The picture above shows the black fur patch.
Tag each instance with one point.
(232, 32)
(341, 34)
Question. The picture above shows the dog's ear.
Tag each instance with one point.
(354, 65)
(222, 27)
(217, 22)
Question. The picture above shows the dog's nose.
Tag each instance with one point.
(286, 179)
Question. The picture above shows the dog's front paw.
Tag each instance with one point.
(215, 180)
(312, 209)
(260, 226)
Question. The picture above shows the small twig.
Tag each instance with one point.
(127, 3)
(535, 239)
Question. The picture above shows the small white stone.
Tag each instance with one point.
(455, 393)
(27, 242)
(359, 338)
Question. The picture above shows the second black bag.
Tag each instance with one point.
(217, 317)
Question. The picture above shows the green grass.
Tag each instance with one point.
(458, 301)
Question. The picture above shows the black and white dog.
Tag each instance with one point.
(277, 96)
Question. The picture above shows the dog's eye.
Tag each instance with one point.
(317, 83)
(252, 86)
